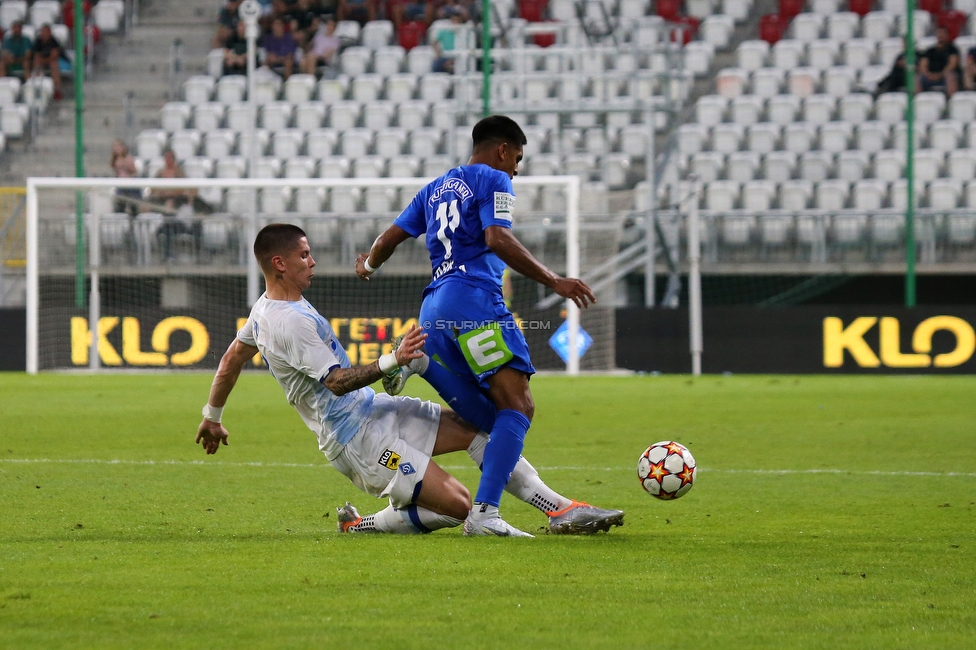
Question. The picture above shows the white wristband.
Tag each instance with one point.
(213, 413)
(388, 363)
(370, 269)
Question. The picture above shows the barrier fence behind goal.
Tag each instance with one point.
(169, 277)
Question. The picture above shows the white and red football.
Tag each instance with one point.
(666, 470)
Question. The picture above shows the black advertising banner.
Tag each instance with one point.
(817, 339)
(13, 339)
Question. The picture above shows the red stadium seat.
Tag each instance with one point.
(669, 9)
(934, 7)
(790, 8)
(860, 7)
(411, 34)
(954, 21)
(545, 40)
(770, 28)
(533, 11)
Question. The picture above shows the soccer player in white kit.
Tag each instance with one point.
(383, 444)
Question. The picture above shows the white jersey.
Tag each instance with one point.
(300, 348)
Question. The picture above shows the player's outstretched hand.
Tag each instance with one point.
(410, 347)
(211, 435)
(576, 290)
(361, 266)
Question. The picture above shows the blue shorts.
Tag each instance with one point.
(472, 333)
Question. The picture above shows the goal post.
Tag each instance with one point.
(167, 284)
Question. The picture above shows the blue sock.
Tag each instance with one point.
(461, 396)
(501, 455)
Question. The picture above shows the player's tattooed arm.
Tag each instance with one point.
(344, 380)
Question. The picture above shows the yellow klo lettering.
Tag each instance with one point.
(965, 340)
(81, 341)
(837, 338)
(132, 346)
(891, 354)
(199, 339)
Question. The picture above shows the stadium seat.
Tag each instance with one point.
(816, 166)
(788, 54)
(890, 107)
(545, 165)
(420, 60)
(822, 53)
(871, 76)
(742, 166)
(355, 60)
(807, 27)
(413, 114)
(962, 164)
(848, 229)
(763, 137)
(378, 114)
(747, 109)
(401, 87)
(276, 116)
(759, 195)
(803, 81)
(855, 108)
(376, 34)
(436, 165)
(258, 139)
(923, 19)
(197, 167)
(320, 143)
(928, 164)
(241, 117)
(832, 194)
(368, 167)
(929, 107)
(842, 26)
(198, 89)
(219, 143)
(889, 164)
(710, 109)
(707, 165)
(779, 166)
(767, 82)
(390, 141)
(389, 60)
(727, 138)
(231, 167)
(731, 82)
(9, 90)
(311, 200)
(345, 199)
(899, 138)
(839, 81)
(836, 136)
(858, 52)
(299, 88)
(877, 26)
(356, 143)
(691, 138)
(580, 164)
(962, 106)
(945, 193)
(823, 7)
(870, 194)
(274, 200)
(614, 168)
(266, 167)
(783, 109)
(287, 143)
(426, 142)
(721, 196)
(716, 29)
(175, 116)
(872, 136)
(888, 51)
(333, 90)
(267, 87)
(794, 195)
(751, 55)
(434, 86)
(344, 114)
(208, 116)
(309, 115)
(945, 135)
(379, 200)
(886, 229)
(334, 167)
(853, 165)
(185, 143)
(799, 137)
(819, 109)
(737, 230)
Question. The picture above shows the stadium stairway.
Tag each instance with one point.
(138, 62)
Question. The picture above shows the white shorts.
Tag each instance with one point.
(389, 456)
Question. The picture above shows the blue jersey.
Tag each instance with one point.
(454, 212)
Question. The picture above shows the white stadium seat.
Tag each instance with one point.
(266, 167)
(799, 137)
(928, 164)
(747, 109)
(900, 135)
(859, 52)
(390, 141)
(287, 143)
(945, 135)
(208, 116)
(710, 109)
(403, 166)
(321, 143)
(848, 229)
(816, 165)
(795, 195)
(274, 200)
(185, 143)
(311, 200)
(855, 108)
(839, 81)
(779, 166)
(889, 164)
(413, 114)
(842, 26)
(807, 27)
(401, 87)
(758, 195)
(299, 88)
(241, 117)
(853, 165)
(721, 195)
(822, 53)
(877, 26)
(707, 165)
(823, 7)
(819, 109)
(334, 167)
(783, 109)
(309, 115)
(150, 144)
(219, 143)
(767, 82)
(764, 137)
(389, 60)
(751, 55)
(945, 193)
(378, 114)
(333, 90)
(737, 230)
(276, 116)
(434, 86)
(197, 167)
(962, 164)
(344, 114)
(231, 167)
(300, 167)
(788, 54)
(727, 138)
(742, 166)
(716, 29)
(836, 136)
(962, 106)
(691, 138)
(832, 194)
(420, 60)
(731, 82)
(803, 81)
(614, 168)
(366, 87)
(198, 89)
(890, 107)
(368, 167)
(356, 142)
(355, 60)
(870, 194)
(376, 34)
(872, 136)
(258, 139)
(929, 107)
(426, 142)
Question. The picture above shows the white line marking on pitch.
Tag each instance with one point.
(106, 461)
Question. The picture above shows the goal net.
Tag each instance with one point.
(160, 274)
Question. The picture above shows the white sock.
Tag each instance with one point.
(400, 522)
(419, 365)
(525, 483)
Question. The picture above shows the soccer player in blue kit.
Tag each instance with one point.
(482, 366)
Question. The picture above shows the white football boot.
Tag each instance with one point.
(484, 520)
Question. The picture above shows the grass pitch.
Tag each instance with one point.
(829, 512)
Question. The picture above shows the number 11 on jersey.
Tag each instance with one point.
(448, 217)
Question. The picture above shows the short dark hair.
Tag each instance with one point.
(498, 128)
(276, 239)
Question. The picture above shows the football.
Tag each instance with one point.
(666, 470)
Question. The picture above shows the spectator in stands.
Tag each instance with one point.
(444, 42)
(235, 51)
(406, 11)
(467, 8)
(124, 166)
(15, 58)
(47, 55)
(175, 201)
(227, 21)
(969, 70)
(323, 46)
(939, 66)
(896, 80)
(362, 11)
(280, 48)
(299, 19)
